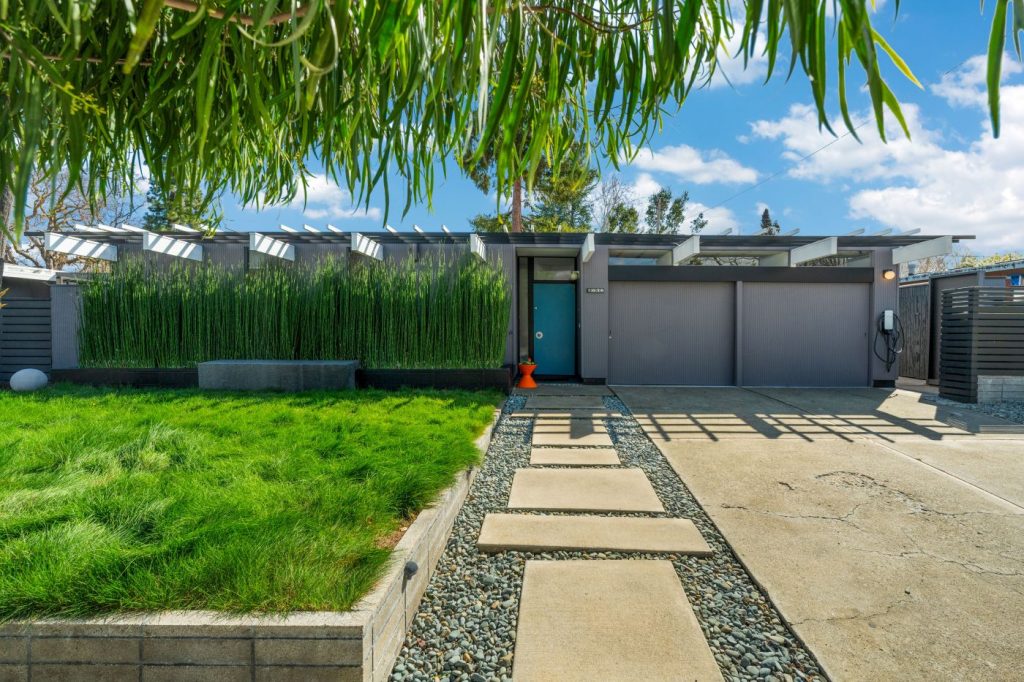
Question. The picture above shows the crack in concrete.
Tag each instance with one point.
(860, 616)
(845, 518)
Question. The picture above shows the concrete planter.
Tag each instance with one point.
(357, 645)
(278, 375)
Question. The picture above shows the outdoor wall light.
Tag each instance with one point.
(888, 275)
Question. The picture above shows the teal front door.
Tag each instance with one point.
(554, 329)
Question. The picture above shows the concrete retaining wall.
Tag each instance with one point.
(357, 645)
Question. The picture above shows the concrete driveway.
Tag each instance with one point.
(888, 531)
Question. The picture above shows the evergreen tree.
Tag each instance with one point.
(559, 202)
(178, 207)
(768, 226)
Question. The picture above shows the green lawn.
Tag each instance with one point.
(127, 500)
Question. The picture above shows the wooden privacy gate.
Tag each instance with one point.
(982, 335)
(916, 316)
(24, 335)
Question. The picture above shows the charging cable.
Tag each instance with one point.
(893, 340)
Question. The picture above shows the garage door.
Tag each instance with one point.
(805, 334)
(677, 333)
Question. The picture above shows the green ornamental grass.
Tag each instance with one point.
(433, 314)
(145, 500)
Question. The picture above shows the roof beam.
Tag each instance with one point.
(829, 246)
(184, 228)
(261, 243)
(588, 248)
(366, 246)
(940, 246)
(477, 246)
(73, 246)
(687, 251)
(169, 246)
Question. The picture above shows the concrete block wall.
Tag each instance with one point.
(996, 388)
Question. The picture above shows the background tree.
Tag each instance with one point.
(562, 202)
(54, 207)
(768, 226)
(178, 207)
(239, 95)
(666, 214)
(559, 202)
(610, 196)
(623, 218)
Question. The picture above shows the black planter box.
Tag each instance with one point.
(187, 377)
(472, 379)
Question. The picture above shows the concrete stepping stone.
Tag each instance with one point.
(572, 413)
(565, 402)
(574, 457)
(566, 389)
(593, 490)
(609, 621)
(533, 533)
(569, 432)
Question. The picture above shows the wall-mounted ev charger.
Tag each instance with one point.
(890, 330)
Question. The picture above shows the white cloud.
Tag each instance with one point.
(324, 199)
(692, 165)
(644, 186)
(965, 86)
(923, 182)
(719, 219)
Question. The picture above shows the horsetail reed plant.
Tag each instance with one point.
(432, 314)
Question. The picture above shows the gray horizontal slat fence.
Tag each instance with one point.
(982, 334)
(24, 335)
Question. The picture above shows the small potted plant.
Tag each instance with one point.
(526, 369)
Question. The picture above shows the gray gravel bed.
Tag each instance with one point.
(465, 626)
(1010, 410)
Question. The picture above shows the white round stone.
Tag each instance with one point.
(28, 380)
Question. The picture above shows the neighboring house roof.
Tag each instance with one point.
(14, 271)
(1010, 267)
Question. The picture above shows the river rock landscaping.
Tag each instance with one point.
(1010, 410)
(465, 628)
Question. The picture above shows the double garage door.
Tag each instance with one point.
(779, 334)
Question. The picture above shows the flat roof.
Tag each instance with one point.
(708, 242)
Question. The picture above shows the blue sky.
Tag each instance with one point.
(952, 177)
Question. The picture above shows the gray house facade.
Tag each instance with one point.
(704, 310)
